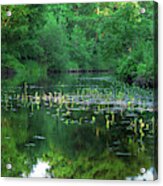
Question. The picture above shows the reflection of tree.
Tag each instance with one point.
(73, 151)
(88, 165)
(17, 133)
(14, 132)
(78, 153)
(93, 142)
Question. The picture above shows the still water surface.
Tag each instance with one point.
(78, 126)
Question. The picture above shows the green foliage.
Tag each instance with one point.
(102, 36)
(80, 48)
(131, 41)
(20, 34)
(54, 42)
(93, 36)
(13, 63)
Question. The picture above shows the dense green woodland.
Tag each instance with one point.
(99, 36)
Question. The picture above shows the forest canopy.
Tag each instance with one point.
(118, 37)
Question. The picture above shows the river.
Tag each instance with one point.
(88, 126)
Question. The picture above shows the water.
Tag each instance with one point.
(78, 126)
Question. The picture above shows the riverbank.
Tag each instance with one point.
(32, 71)
(15, 73)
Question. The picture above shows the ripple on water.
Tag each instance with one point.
(39, 137)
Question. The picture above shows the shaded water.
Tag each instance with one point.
(78, 126)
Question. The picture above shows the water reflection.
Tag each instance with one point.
(78, 127)
(40, 170)
(148, 175)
